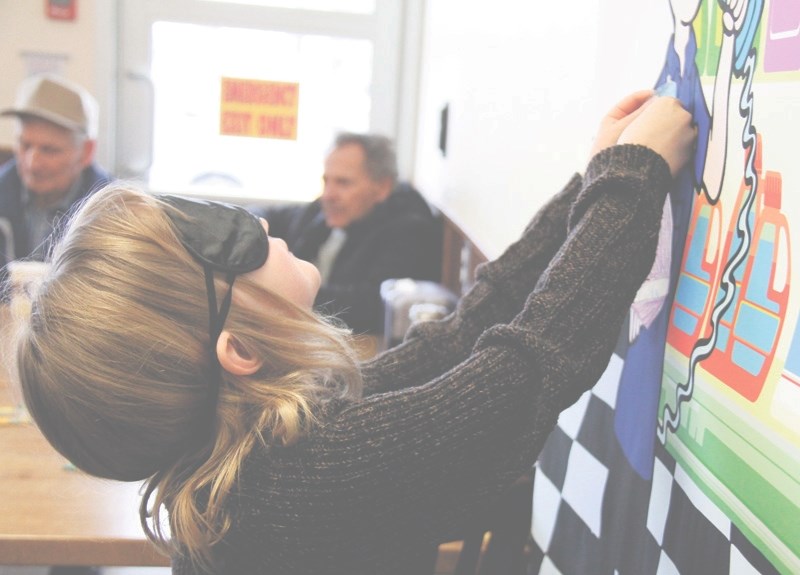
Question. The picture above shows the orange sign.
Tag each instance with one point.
(259, 109)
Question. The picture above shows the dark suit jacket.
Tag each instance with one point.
(400, 238)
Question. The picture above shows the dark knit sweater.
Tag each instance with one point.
(455, 414)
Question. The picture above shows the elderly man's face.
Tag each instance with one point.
(49, 158)
(349, 193)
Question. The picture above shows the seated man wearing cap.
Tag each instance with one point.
(53, 164)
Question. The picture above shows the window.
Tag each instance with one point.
(354, 6)
(175, 55)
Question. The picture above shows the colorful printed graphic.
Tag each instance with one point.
(782, 46)
(785, 407)
(749, 329)
(705, 478)
(729, 442)
(725, 326)
(698, 277)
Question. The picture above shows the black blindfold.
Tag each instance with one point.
(222, 238)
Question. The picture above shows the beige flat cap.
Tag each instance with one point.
(56, 100)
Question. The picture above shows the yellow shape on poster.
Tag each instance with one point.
(259, 108)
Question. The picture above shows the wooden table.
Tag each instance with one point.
(53, 515)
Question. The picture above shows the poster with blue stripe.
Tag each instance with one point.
(685, 457)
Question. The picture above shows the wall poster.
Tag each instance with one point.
(685, 457)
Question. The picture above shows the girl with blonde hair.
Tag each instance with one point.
(265, 446)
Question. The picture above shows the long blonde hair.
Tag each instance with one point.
(114, 367)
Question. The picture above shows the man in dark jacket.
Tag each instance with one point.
(364, 228)
(53, 165)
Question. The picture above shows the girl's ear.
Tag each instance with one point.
(234, 358)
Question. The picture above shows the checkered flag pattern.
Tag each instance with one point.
(593, 514)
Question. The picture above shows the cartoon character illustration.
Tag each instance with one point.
(747, 330)
(752, 326)
(703, 395)
(640, 380)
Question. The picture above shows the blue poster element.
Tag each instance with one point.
(640, 383)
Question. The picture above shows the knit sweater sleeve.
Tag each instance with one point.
(435, 450)
(500, 289)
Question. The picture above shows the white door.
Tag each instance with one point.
(340, 61)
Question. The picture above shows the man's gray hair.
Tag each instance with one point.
(78, 138)
(380, 159)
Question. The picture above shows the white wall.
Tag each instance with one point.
(526, 84)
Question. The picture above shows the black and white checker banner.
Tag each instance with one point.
(593, 514)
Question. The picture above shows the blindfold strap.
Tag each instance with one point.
(216, 321)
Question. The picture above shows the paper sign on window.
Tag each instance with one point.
(259, 108)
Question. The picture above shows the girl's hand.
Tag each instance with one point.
(666, 128)
(618, 118)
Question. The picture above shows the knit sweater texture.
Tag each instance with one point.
(451, 417)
